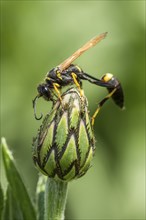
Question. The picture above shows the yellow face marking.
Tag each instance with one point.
(107, 77)
(85, 47)
(48, 78)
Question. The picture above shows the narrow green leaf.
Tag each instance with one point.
(16, 184)
(1, 202)
(40, 196)
(12, 209)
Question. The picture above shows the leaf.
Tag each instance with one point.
(1, 201)
(12, 209)
(17, 186)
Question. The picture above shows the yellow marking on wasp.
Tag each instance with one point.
(74, 76)
(100, 105)
(78, 68)
(48, 78)
(107, 77)
(56, 86)
(58, 74)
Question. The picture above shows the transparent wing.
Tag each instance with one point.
(85, 47)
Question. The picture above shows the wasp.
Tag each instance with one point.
(67, 73)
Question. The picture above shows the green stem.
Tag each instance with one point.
(55, 199)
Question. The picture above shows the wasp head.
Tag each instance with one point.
(45, 92)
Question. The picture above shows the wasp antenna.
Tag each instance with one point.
(34, 107)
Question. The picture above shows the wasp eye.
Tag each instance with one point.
(44, 91)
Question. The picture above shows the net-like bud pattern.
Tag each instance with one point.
(65, 145)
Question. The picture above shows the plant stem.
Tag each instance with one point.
(55, 199)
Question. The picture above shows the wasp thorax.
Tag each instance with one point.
(64, 146)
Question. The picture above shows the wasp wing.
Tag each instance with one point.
(85, 47)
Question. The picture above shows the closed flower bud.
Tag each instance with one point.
(64, 146)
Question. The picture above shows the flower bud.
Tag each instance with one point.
(65, 145)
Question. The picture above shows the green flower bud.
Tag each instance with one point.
(65, 145)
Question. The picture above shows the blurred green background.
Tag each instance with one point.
(38, 35)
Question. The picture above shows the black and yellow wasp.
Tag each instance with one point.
(67, 73)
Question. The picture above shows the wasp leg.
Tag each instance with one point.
(100, 104)
(74, 76)
(56, 86)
